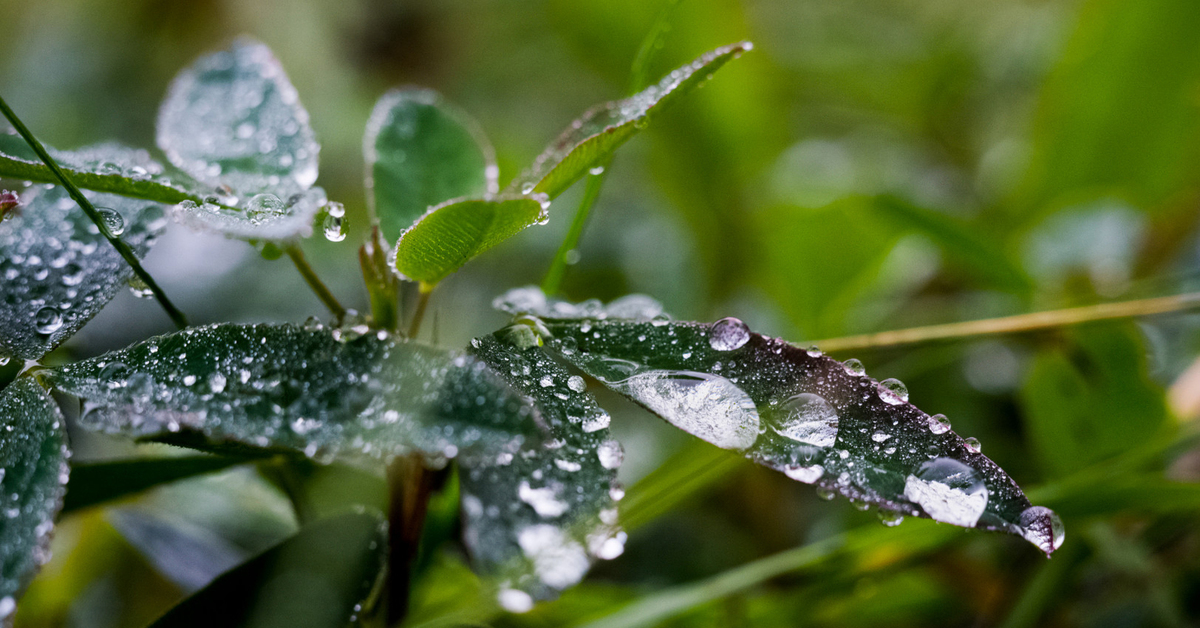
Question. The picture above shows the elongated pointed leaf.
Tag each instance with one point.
(320, 577)
(536, 520)
(420, 152)
(99, 482)
(56, 269)
(817, 420)
(313, 391)
(602, 129)
(33, 457)
(449, 235)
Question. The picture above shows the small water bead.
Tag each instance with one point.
(216, 383)
(334, 226)
(893, 391)
(814, 352)
(826, 494)
(854, 367)
(113, 222)
(576, 383)
(939, 424)
(596, 171)
(806, 474)
(611, 454)
(728, 334)
(139, 288)
(263, 206)
(973, 444)
(861, 506)
(890, 518)
(47, 320)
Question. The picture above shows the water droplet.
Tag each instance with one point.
(879, 437)
(515, 601)
(814, 352)
(893, 391)
(7, 606)
(113, 222)
(546, 381)
(47, 320)
(526, 188)
(706, 406)
(216, 383)
(334, 226)
(807, 474)
(1042, 527)
(854, 367)
(576, 382)
(544, 500)
(890, 518)
(949, 491)
(558, 560)
(596, 171)
(611, 454)
(262, 206)
(807, 418)
(939, 424)
(826, 494)
(973, 444)
(728, 334)
(139, 288)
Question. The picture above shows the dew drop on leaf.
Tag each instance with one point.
(890, 518)
(949, 491)
(707, 406)
(893, 391)
(854, 367)
(334, 226)
(1042, 527)
(807, 418)
(113, 221)
(47, 320)
(611, 454)
(973, 444)
(939, 424)
(728, 334)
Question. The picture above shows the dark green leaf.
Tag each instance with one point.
(58, 271)
(817, 420)
(422, 151)
(602, 129)
(290, 389)
(320, 577)
(98, 482)
(449, 235)
(33, 476)
(536, 520)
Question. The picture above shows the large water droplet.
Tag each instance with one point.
(949, 491)
(893, 391)
(728, 334)
(47, 320)
(939, 424)
(854, 367)
(334, 226)
(807, 418)
(113, 222)
(1042, 527)
(973, 444)
(576, 383)
(706, 406)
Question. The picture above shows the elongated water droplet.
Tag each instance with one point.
(1042, 527)
(113, 222)
(949, 491)
(706, 406)
(728, 334)
(334, 226)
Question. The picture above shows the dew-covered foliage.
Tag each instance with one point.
(537, 519)
(33, 478)
(326, 393)
(816, 419)
(56, 268)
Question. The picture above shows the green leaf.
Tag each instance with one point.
(57, 269)
(33, 458)
(537, 519)
(422, 151)
(319, 577)
(449, 235)
(95, 483)
(108, 167)
(602, 129)
(815, 419)
(316, 391)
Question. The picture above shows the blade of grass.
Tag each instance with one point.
(122, 248)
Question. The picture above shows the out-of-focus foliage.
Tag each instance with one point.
(871, 165)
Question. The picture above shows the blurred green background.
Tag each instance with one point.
(871, 165)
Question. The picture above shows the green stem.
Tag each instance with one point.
(558, 268)
(314, 282)
(1022, 323)
(422, 302)
(122, 248)
(640, 72)
(410, 485)
(383, 289)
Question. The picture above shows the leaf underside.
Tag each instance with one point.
(817, 420)
(312, 391)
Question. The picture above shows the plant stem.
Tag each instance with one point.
(122, 248)
(639, 73)
(410, 484)
(382, 286)
(422, 302)
(314, 282)
(1021, 323)
(558, 268)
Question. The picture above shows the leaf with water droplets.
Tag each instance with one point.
(535, 520)
(33, 476)
(449, 235)
(57, 270)
(604, 128)
(322, 392)
(815, 419)
(422, 151)
(320, 577)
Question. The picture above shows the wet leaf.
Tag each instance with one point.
(817, 420)
(319, 577)
(602, 129)
(33, 474)
(95, 483)
(450, 234)
(57, 269)
(422, 151)
(260, 217)
(257, 388)
(536, 520)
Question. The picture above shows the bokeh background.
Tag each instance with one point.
(871, 165)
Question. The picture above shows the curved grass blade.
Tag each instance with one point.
(449, 235)
(282, 388)
(536, 520)
(320, 577)
(817, 420)
(57, 269)
(602, 129)
(96, 483)
(33, 460)
(421, 151)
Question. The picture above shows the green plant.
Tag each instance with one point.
(503, 428)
